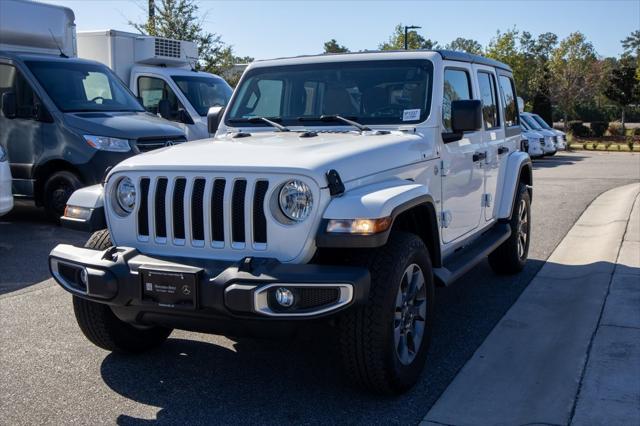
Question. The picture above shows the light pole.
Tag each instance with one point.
(406, 34)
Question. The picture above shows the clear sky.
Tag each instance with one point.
(267, 29)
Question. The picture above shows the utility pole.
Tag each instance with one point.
(406, 35)
(152, 16)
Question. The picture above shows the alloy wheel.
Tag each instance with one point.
(410, 314)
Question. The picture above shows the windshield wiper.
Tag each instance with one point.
(355, 124)
(271, 122)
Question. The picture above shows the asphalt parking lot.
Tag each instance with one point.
(51, 374)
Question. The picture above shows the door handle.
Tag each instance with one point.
(503, 150)
(478, 156)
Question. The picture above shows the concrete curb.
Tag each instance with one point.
(530, 367)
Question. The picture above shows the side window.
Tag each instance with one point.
(11, 80)
(509, 101)
(152, 90)
(457, 86)
(489, 98)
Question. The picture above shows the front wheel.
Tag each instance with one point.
(511, 256)
(384, 343)
(57, 190)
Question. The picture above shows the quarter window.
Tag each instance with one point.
(152, 90)
(509, 101)
(488, 95)
(11, 80)
(457, 86)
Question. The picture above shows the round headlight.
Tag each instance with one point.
(126, 195)
(295, 200)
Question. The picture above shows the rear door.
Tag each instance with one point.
(462, 160)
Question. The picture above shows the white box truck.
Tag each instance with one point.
(160, 72)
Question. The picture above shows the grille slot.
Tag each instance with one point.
(237, 213)
(178, 209)
(160, 213)
(259, 219)
(197, 211)
(217, 210)
(143, 214)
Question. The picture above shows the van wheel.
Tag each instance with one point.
(57, 191)
(511, 256)
(384, 343)
(99, 324)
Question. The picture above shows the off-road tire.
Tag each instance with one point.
(506, 260)
(57, 190)
(367, 346)
(99, 324)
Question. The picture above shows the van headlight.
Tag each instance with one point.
(125, 196)
(295, 200)
(106, 143)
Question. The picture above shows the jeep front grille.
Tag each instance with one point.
(192, 211)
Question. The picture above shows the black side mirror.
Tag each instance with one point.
(164, 109)
(42, 114)
(9, 105)
(184, 117)
(213, 118)
(466, 116)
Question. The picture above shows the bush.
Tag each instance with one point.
(635, 131)
(578, 129)
(599, 127)
(615, 129)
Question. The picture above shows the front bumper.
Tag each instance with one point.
(224, 290)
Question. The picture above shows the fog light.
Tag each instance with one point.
(284, 297)
(84, 277)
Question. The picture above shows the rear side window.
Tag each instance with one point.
(509, 101)
(487, 84)
(457, 86)
(11, 80)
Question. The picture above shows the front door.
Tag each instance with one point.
(462, 162)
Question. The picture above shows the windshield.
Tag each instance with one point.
(77, 86)
(204, 92)
(368, 92)
(541, 122)
(524, 125)
(531, 122)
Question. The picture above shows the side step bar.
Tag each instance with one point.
(462, 261)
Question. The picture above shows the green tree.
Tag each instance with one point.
(505, 47)
(465, 45)
(414, 40)
(575, 73)
(631, 44)
(332, 46)
(622, 87)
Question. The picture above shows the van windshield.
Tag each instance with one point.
(531, 122)
(204, 92)
(541, 122)
(80, 87)
(369, 92)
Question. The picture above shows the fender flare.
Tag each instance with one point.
(519, 168)
(384, 199)
(91, 198)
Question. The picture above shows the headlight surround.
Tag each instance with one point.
(295, 200)
(106, 143)
(125, 196)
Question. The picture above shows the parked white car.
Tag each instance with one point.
(6, 196)
(562, 136)
(296, 213)
(550, 138)
(534, 141)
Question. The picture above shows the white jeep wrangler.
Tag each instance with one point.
(338, 189)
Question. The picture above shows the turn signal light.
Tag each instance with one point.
(75, 212)
(358, 226)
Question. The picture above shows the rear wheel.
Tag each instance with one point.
(99, 324)
(384, 343)
(57, 190)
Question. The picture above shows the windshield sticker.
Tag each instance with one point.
(411, 115)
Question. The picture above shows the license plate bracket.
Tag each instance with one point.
(169, 288)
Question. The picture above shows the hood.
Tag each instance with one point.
(126, 125)
(352, 154)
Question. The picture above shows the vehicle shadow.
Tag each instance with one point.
(27, 234)
(275, 382)
(560, 159)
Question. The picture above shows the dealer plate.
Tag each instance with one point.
(171, 289)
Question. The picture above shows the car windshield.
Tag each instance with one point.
(541, 122)
(368, 92)
(79, 86)
(204, 92)
(531, 122)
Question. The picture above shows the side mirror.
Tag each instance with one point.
(42, 114)
(184, 117)
(9, 105)
(164, 109)
(213, 118)
(520, 104)
(466, 116)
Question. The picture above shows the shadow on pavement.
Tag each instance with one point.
(280, 382)
(560, 159)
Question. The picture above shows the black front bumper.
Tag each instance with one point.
(225, 290)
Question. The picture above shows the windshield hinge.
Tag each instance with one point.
(334, 183)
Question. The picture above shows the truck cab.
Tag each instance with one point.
(161, 73)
